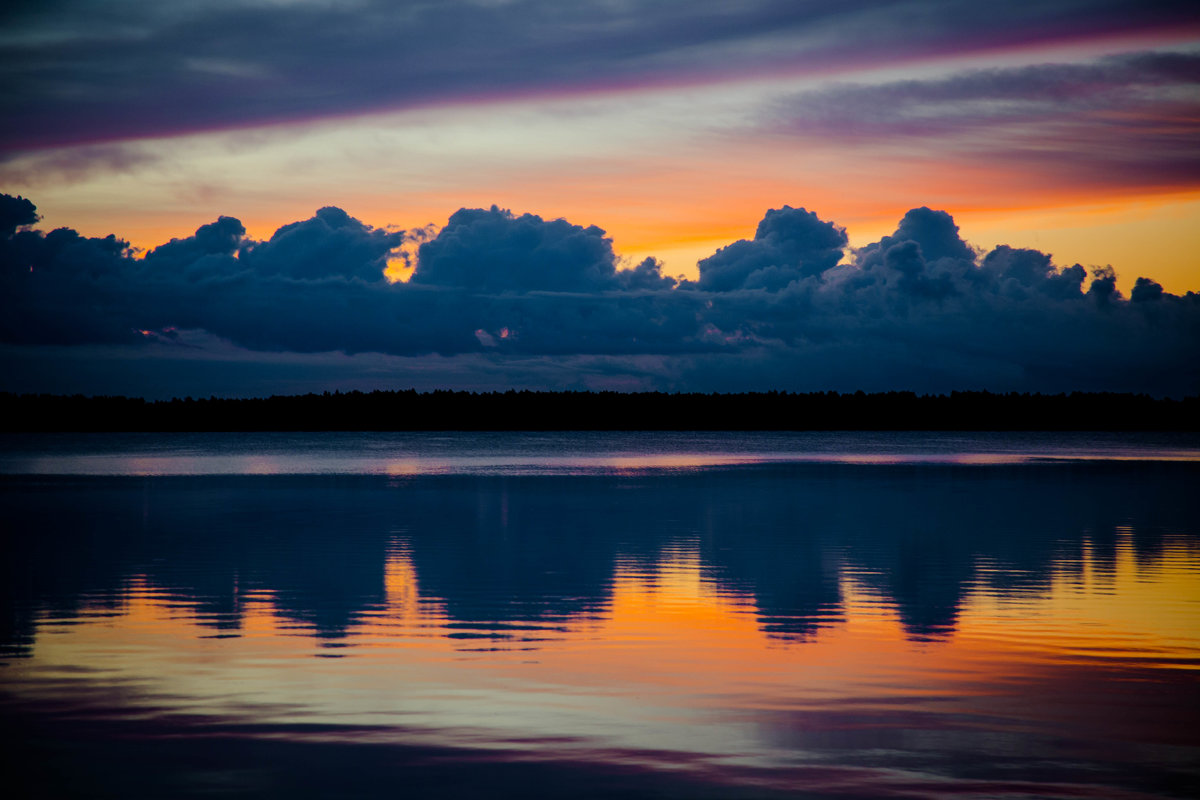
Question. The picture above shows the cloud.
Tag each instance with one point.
(331, 244)
(547, 303)
(76, 164)
(210, 250)
(493, 251)
(789, 244)
(80, 72)
(1130, 119)
(1146, 290)
(62, 288)
(922, 257)
(934, 231)
(987, 97)
(1015, 270)
(15, 212)
(646, 275)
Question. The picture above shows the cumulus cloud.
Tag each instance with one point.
(789, 244)
(1015, 270)
(919, 309)
(934, 231)
(331, 244)
(1145, 290)
(210, 250)
(646, 275)
(494, 251)
(15, 212)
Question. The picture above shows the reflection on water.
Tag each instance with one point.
(575, 453)
(764, 630)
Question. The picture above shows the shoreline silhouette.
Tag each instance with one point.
(512, 410)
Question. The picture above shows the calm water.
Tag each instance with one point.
(590, 615)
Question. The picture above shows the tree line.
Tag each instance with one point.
(587, 410)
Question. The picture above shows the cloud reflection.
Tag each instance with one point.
(520, 557)
(763, 627)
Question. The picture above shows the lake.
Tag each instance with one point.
(709, 615)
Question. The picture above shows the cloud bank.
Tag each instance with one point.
(790, 308)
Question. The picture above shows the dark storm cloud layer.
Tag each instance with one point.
(917, 309)
(77, 71)
(1126, 118)
(318, 285)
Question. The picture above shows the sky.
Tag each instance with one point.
(606, 194)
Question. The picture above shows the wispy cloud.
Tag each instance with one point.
(1132, 119)
(77, 72)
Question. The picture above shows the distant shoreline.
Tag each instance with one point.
(603, 411)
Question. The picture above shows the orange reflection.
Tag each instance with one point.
(673, 643)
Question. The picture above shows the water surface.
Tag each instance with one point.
(515, 453)
(832, 615)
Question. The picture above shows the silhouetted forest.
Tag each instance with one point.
(512, 410)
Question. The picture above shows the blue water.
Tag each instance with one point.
(597, 615)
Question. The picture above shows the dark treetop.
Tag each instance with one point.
(512, 410)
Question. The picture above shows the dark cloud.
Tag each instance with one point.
(1131, 118)
(1145, 290)
(935, 232)
(62, 288)
(789, 244)
(493, 251)
(1104, 286)
(77, 71)
(209, 251)
(1015, 270)
(15, 212)
(923, 235)
(331, 244)
(542, 303)
(646, 275)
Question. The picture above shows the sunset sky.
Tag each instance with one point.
(1068, 127)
